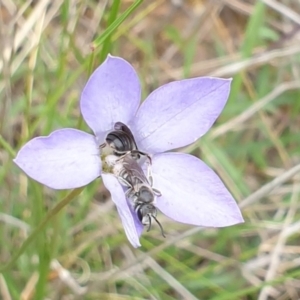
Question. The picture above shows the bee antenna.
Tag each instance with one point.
(149, 227)
(161, 228)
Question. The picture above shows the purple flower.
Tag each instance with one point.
(173, 116)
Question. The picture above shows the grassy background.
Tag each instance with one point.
(82, 252)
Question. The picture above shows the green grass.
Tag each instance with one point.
(40, 85)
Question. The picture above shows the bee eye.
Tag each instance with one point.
(139, 214)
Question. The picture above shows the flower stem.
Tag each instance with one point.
(7, 146)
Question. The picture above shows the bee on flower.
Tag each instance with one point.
(172, 116)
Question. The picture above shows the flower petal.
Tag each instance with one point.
(132, 229)
(192, 193)
(66, 159)
(112, 94)
(138, 225)
(178, 113)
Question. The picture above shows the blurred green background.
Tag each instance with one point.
(48, 48)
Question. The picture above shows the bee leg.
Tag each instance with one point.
(150, 178)
(128, 192)
(124, 182)
(135, 154)
(149, 175)
(147, 155)
(156, 192)
(149, 226)
(123, 154)
(138, 153)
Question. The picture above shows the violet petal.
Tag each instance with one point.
(67, 158)
(125, 213)
(192, 193)
(178, 113)
(111, 94)
(138, 225)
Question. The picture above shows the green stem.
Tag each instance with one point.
(41, 243)
(99, 41)
(7, 146)
(106, 48)
(54, 211)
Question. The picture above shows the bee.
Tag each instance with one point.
(140, 188)
(125, 163)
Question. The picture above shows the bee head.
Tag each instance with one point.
(147, 212)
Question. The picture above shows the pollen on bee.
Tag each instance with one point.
(107, 158)
(108, 163)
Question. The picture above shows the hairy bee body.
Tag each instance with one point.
(125, 163)
(139, 188)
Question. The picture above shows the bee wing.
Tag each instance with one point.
(134, 169)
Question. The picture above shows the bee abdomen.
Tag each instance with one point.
(120, 141)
